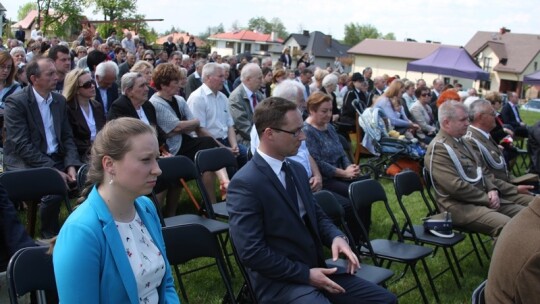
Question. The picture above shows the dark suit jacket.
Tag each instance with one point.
(271, 238)
(193, 83)
(123, 68)
(286, 59)
(122, 107)
(25, 144)
(81, 132)
(508, 117)
(112, 95)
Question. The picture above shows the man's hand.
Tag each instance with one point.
(72, 174)
(339, 245)
(494, 201)
(524, 189)
(235, 150)
(318, 278)
(315, 183)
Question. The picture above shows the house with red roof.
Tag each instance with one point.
(240, 42)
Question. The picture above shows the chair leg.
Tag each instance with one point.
(475, 248)
(223, 243)
(418, 283)
(226, 280)
(181, 284)
(451, 266)
(456, 260)
(483, 246)
(430, 280)
(31, 218)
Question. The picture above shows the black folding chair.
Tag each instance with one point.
(180, 167)
(31, 270)
(405, 184)
(478, 294)
(367, 192)
(246, 294)
(81, 176)
(210, 160)
(472, 235)
(329, 204)
(190, 241)
(30, 185)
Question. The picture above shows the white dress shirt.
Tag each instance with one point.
(48, 124)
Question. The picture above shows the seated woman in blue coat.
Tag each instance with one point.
(110, 249)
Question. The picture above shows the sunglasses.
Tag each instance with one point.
(426, 94)
(149, 59)
(87, 85)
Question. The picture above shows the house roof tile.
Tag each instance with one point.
(518, 49)
(246, 35)
(398, 49)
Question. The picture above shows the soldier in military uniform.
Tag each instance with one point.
(463, 187)
(482, 118)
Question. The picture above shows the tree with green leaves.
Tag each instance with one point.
(59, 16)
(25, 9)
(115, 9)
(355, 33)
(260, 24)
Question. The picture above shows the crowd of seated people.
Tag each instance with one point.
(194, 102)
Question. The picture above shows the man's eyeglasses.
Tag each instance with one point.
(293, 133)
(87, 85)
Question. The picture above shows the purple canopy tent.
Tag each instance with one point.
(533, 79)
(449, 61)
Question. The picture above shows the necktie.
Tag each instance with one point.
(289, 184)
(253, 101)
(307, 90)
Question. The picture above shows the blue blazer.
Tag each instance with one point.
(271, 238)
(90, 263)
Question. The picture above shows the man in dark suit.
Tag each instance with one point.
(125, 66)
(278, 228)
(106, 87)
(38, 134)
(378, 90)
(194, 80)
(510, 116)
(20, 34)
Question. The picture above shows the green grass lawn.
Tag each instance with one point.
(205, 286)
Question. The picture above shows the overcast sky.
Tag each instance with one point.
(450, 22)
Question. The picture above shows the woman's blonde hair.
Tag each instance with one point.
(71, 84)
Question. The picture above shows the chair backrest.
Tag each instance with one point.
(433, 208)
(30, 269)
(33, 184)
(365, 193)
(172, 170)
(478, 294)
(333, 209)
(190, 241)
(214, 159)
(405, 184)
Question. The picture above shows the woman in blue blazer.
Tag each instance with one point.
(110, 249)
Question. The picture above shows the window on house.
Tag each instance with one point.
(247, 47)
(264, 47)
(485, 84)
(487, 64)
(535, 65)
(229, 45)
